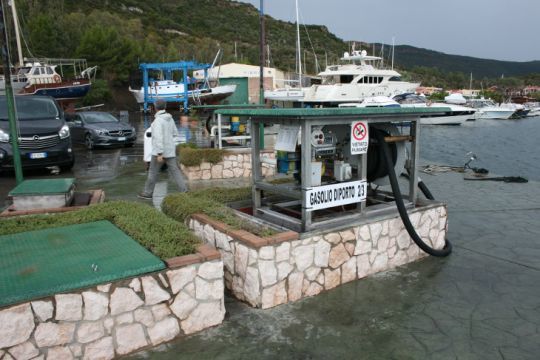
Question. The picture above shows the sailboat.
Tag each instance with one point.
(290, 93)
(39, 76)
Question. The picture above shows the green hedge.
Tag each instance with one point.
(211, 202)
(189, 156)
(155, 231)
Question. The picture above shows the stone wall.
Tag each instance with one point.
(117, 318)
(269, 273)
(237, 165)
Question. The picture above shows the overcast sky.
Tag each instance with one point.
(492, 29)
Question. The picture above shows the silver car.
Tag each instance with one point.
(99, 129)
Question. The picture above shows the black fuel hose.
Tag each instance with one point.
(422, 187)
(447, 249)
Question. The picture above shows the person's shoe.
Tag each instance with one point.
(144, 196)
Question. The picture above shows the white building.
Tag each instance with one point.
(246, 77)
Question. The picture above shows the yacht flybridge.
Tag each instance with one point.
(355, 80)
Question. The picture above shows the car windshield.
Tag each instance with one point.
(98, 118)
(30, 108)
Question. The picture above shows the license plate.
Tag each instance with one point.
(41, 155)
(122, 138)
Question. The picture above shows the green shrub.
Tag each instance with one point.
(224, 195)
(190, 156)
(211, 202)
(158, 233)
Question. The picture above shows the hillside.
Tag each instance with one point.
(409, 57)
(117, 35)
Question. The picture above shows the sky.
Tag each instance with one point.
(491, 29)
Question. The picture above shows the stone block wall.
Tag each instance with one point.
(271, 272)
(237, 165)
(118, 318)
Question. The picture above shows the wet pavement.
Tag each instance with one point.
(482, 302)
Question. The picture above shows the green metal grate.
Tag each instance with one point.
(40, 263)
(43, 187)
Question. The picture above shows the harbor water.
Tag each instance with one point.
(482, 302)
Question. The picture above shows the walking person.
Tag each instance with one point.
(163, 151)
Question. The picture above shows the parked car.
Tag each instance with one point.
(44, 137)
(98, 128)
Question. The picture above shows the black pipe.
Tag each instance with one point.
(447, 249)
(425, 190)
(423, 187)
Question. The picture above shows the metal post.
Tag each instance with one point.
(219, 145)
(256, 175)
(415, 152)
(10, 99)
(145, 89)
(305, 168)
(261, 71)
(186, 98)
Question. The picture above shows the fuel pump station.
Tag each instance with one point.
(339, 161)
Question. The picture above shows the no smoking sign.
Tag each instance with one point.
(359, 138)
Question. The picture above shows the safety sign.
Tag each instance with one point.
(359, 138)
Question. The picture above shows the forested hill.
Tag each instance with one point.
(409, 57)
(119, 34)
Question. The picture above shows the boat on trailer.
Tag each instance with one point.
(174, 85)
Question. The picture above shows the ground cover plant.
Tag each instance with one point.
(192, 156)
(212, 202)
(158, 233)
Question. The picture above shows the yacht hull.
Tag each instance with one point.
(445, 120)
(495, 114)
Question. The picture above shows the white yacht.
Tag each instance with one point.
(355, 80)
(371, 102)
(487, 109)
(456, 116)
(534, 108)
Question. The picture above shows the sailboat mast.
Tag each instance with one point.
(393, 48)
(298, 47)
(17, 34)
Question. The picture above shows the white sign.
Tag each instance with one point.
(327, 196)
(359, 138)
(286, 139)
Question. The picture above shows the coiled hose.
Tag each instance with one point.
(447, 249)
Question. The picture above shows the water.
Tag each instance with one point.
(482, 302)
(505, 147)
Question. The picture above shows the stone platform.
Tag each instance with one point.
(266, 272)
(121, 317)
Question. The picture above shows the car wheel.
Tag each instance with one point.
(89, 142)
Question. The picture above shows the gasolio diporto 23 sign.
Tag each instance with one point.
(327, 196)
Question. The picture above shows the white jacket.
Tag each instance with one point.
(163, 134)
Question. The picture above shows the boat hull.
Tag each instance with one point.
(210, 96)
(64, 91)
(496, 114)
(445, 120)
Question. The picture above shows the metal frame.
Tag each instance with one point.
(306, 223)
(167, 69)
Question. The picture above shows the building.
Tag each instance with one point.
(528, 90)
(246, 78)
(428, 90)
(471, 93)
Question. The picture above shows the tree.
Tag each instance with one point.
(115, 55)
